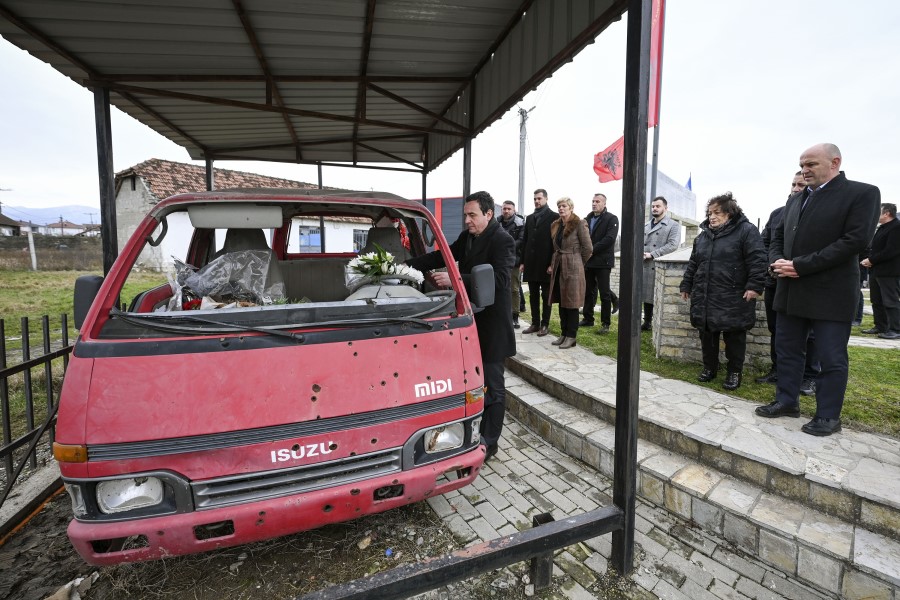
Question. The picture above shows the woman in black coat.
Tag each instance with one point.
(725, 275)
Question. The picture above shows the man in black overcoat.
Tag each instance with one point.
(883, 262)
(537, 251)
(603, 227)
(815, 254)
(811, 370)
(514, 225)
(484, 242)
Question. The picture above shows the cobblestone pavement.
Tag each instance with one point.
(674, 559)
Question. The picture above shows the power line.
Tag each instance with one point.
(20, 211)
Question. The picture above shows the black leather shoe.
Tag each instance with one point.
(544, 331)
(585, 323)
(533, 328)
(569, 342)
(770, 377)
(615, 304)
(808, 387)
(889, 335)
(776, 409)
(490, 452)
(821, 427)
(706, 375)
(871, 330)
(646, 326)
(732, 381)
(603, 329)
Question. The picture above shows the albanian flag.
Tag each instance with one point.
(608, 163)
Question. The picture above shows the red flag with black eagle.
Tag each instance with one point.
(608, 163)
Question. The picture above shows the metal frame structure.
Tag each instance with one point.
(350, 83)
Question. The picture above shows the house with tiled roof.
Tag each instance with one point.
(142, 186)
(9, 226)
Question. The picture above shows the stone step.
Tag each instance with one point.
(821, 550)
(854, 476)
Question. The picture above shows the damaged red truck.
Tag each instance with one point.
(268, 388)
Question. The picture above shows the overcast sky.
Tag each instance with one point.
(747, 86)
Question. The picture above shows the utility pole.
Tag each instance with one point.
(31, 246)
(523, 136)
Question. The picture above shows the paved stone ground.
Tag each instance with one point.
(674, 560)
(871, 341)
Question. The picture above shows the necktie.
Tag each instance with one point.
(806, 200)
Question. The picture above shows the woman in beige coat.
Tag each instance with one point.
(571, 249)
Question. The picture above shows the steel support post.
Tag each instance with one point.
(634, 184)
(467, 168)
(424, 186)
(542, 566)
(107, 178)
(210, 175)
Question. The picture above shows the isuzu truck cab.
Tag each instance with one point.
(291, 373)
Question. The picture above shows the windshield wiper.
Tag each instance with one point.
(153, 321)
(166, 324)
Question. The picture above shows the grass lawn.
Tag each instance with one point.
(34, 294)
(872, 402)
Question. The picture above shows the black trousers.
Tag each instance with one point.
(494, 402)
(538, 298)
(812, 367)
(648, 312)
(735, 349)
(884, 293)
(597, 280)
(568, 321)
(831, 348)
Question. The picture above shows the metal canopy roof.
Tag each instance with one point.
(310, 81)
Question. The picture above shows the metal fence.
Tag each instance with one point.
(28, 400)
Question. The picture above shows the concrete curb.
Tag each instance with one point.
(28, 495)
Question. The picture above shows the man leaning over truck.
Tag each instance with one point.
(484, 242)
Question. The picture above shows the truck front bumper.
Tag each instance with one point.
(187, 533)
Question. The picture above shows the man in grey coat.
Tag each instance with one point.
(661, 236)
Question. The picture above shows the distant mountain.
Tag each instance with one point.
(74, 213)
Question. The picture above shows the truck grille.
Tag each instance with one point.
(238, 489)
(274, 433)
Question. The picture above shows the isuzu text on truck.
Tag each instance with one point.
(291, 373)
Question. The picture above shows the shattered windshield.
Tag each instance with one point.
(308, 272)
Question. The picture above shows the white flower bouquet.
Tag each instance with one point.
(379, 267)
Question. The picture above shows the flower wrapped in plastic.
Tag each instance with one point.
(378, 267)
(245, 277)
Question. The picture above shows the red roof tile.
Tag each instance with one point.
(166, 178)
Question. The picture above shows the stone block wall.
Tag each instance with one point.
(673, 335)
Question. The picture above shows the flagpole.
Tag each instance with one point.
(655, 167)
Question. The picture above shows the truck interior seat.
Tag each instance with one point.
(240, 240)
(389, 239)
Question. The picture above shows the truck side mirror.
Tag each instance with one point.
(480, 286)
(86, 288)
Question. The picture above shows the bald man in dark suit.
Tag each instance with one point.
(815, 255)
